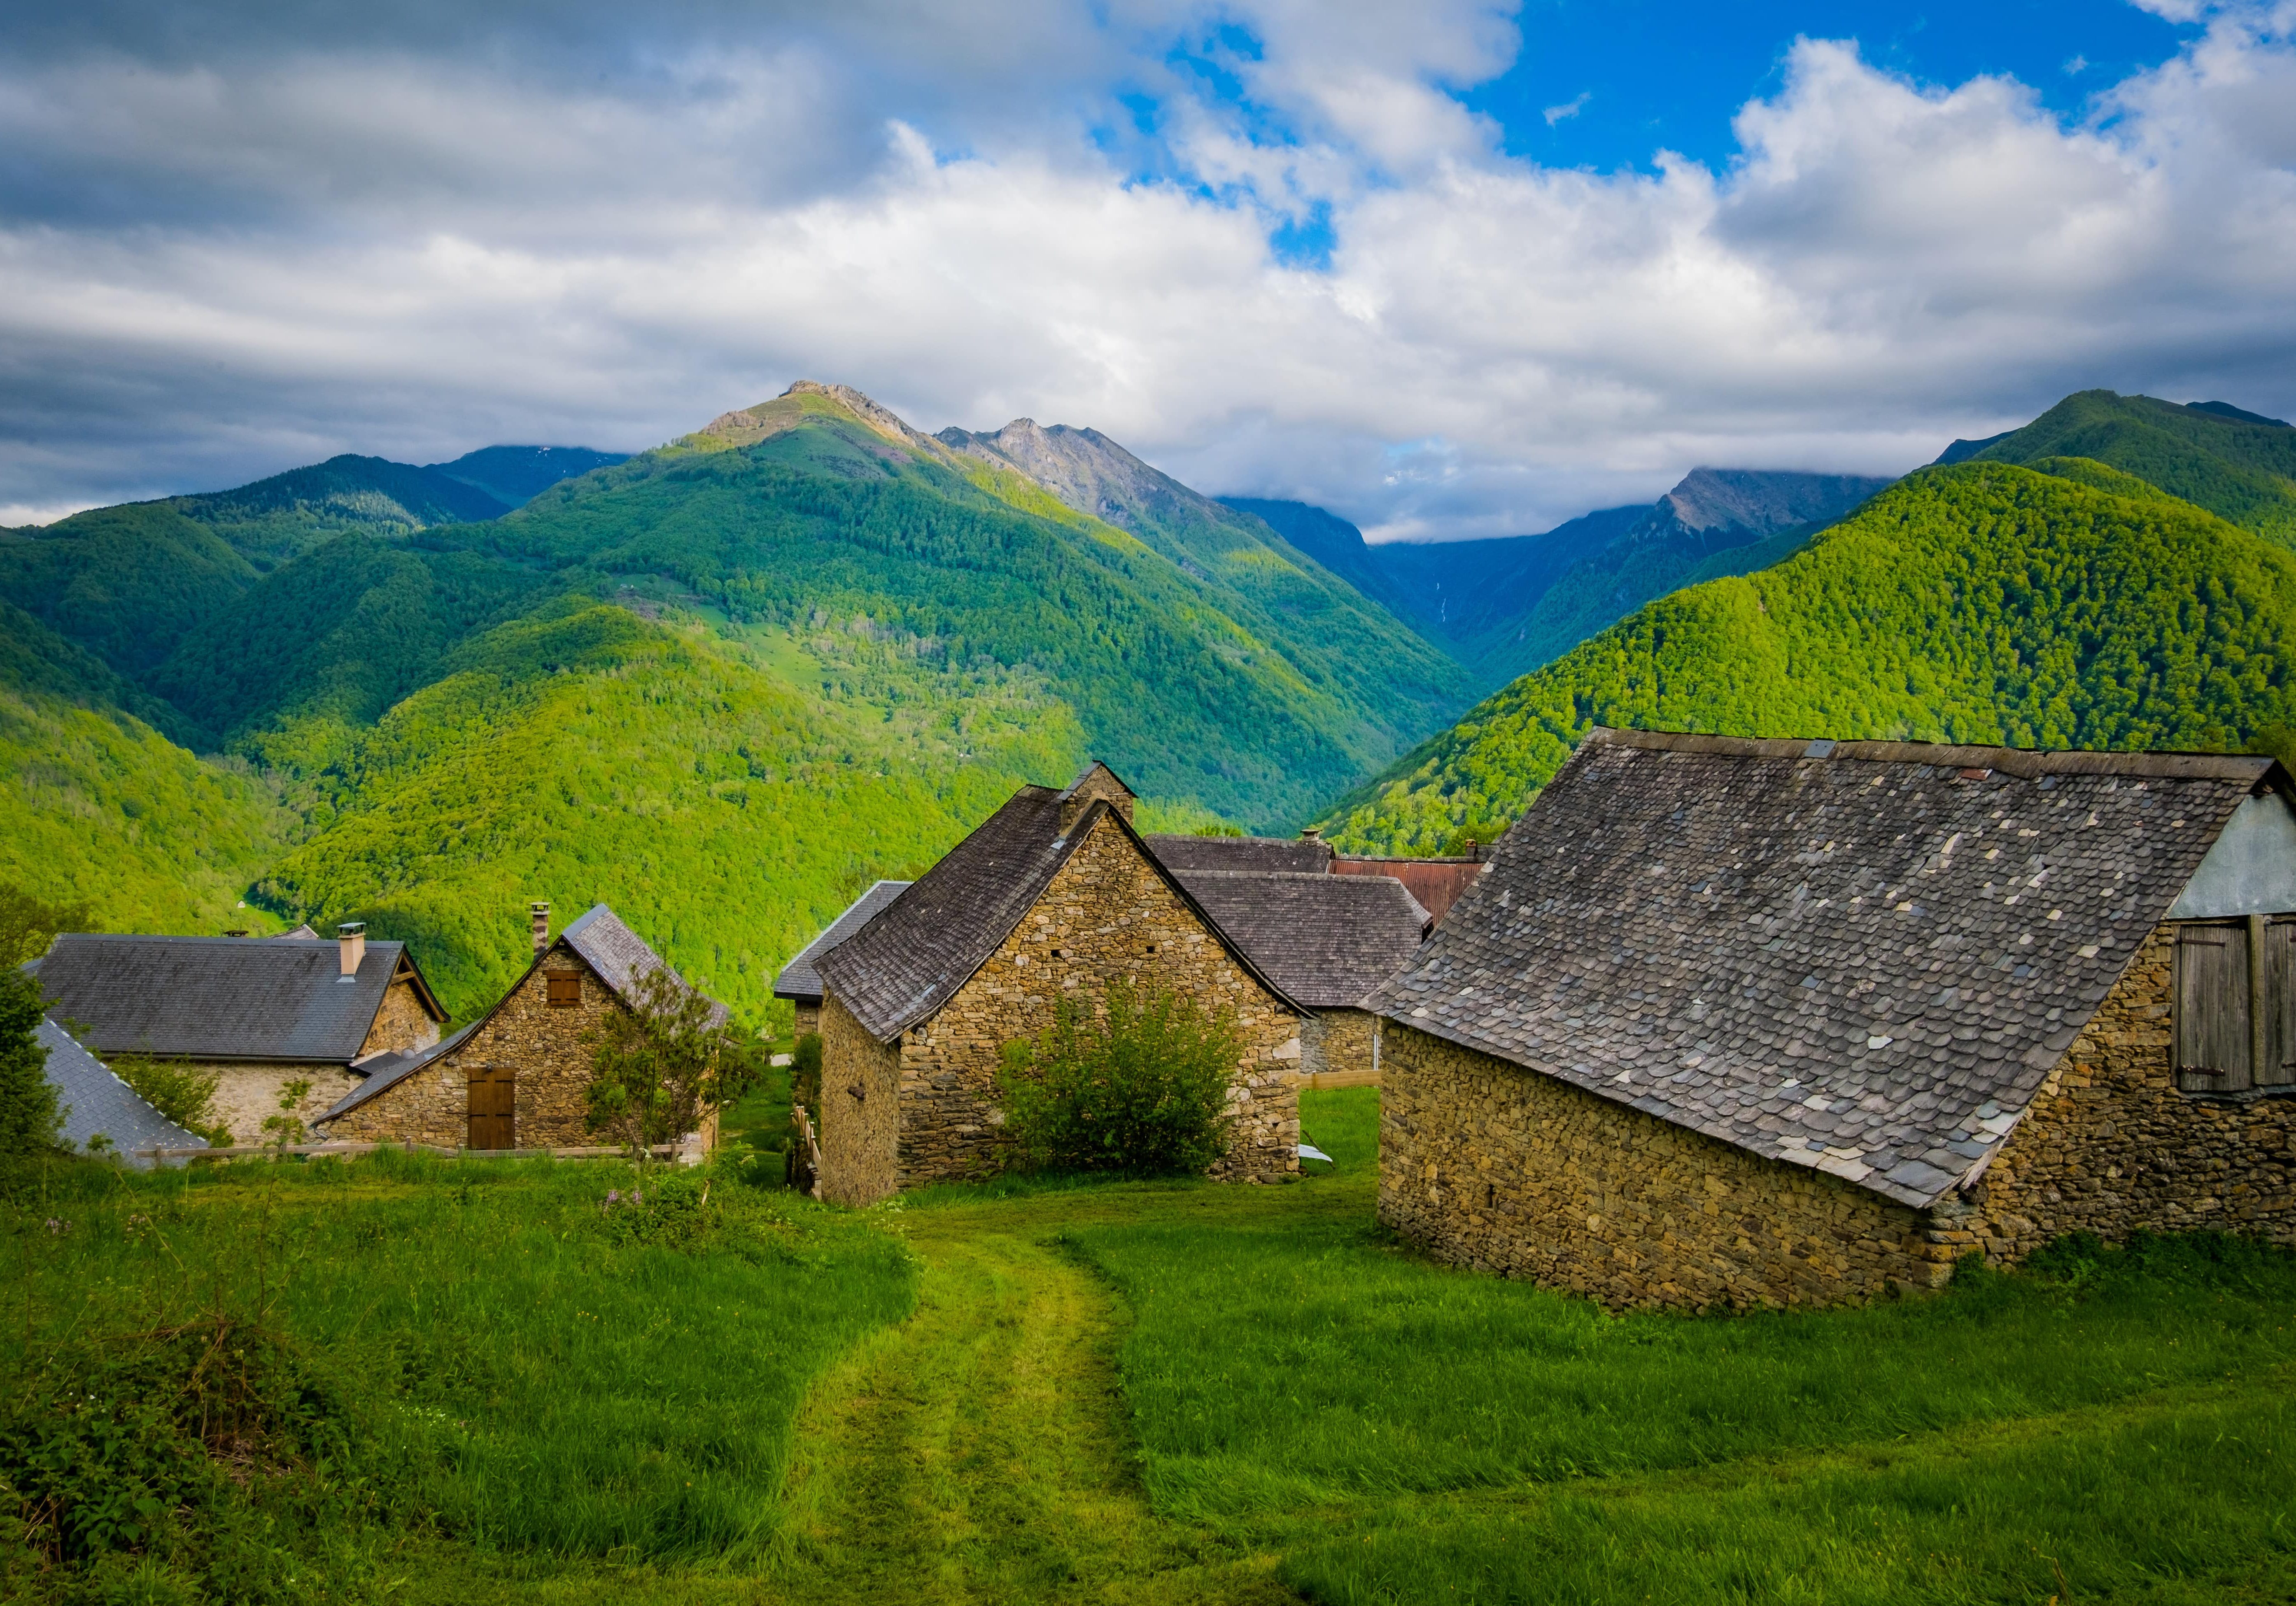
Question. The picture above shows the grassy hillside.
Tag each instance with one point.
(1978, 603)
(102, 809)
(594, 756)
(2243, 470)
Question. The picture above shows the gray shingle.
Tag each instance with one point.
(1186, 855)
(1649, 926)
(619, 955)
(1327, 940)
(96, 1101)
(217, 998)
(799, 980)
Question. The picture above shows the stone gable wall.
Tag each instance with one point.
(858, 1125)
(401, 1023)
(1336, 1042)
(544, 1045)
(1106, 915)
(1490, 1165)
(2109, 1146)
(248, 1092)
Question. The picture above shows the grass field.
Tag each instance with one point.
(1152, 1392)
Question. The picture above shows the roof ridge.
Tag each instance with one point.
(2013, 761)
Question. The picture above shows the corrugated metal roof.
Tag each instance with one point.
(96, 1101)
(1860, 956)
(218, 998)
(799, 980)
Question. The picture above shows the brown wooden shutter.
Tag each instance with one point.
(565, 991)
(493, 1108)
(2213, 1041)
(2279, 1066)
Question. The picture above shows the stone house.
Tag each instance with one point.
(800, 983)
(518, 1077)
(1053, 896)
(1736, 1022)
(1327, 940)
(256, 1012)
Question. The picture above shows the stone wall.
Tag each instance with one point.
(401, 1023)
(2109, 1146)
(1107, 914)
(808, 1018)
(858, 1125)
(1492, 1166)
(247, 1093)
(1337, 1042)
(551, 1048)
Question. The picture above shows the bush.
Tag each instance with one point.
(1142, 1088)
(179, 1090)
(804, 1073)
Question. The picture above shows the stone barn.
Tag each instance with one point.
(1053, 897)
(800, 983)
(519, 1076)
(1328, 940)
(257, 1013)
(1734, 1022)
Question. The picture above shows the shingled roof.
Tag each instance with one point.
(220, 998)
(1862, 956)
(384, 1071)
(619, 955)
(1188, 855)
(1327, 940)
(799, 980)
(95, 1102)
(913, 955)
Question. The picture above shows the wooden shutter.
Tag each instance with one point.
(565, 990)
(2213, 1043)
(2279, 1066)
(493, 1108)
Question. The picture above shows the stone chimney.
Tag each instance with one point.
(350, 937)
(539, 913)
(1312, 834)
(1098, 783)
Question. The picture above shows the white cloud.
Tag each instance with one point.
(1569, 109)
(224, 266)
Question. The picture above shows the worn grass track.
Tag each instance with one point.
(980, 1450)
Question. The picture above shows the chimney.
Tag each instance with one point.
(351, 938)
(1312, 834)
(540, 915)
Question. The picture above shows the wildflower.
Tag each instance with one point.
(57, 1229)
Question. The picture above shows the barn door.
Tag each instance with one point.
(2278, 1067)
(494, 1106)
(2213, 1046)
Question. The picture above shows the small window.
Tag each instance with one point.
(565, 991)
(2235, 991)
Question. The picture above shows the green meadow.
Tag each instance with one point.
(413, 1381)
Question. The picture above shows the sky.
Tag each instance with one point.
(1452, 268)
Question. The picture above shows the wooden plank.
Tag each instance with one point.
(2277, 1069)
(2214, 1040)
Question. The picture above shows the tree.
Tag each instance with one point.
(30, 1120)
(1142, 1088)
(662, 1062)
(27, 925)
(179, 1090)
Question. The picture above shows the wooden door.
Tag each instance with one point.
(494, 1106)
(2213, 1050)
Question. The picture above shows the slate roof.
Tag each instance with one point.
(388, 1070)
(916, 952)
(1186, 854)
(617, 954)
(98, 1101)
(799, 980)
(1863, 956)
(1327, 940)
(218, 998)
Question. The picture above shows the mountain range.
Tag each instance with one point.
(724, 684)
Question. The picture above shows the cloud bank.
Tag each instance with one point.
(1264, 244)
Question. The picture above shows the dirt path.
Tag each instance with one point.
(979, 1452)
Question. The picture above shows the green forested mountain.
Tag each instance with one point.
(721, 686)
(2240, 467)
(2064, 605)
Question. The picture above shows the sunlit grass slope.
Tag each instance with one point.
(1979, 603)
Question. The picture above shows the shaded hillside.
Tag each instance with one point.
(514, 475)
(1979, 603)
(2239, 466)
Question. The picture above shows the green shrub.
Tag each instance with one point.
(1141, 1088)
(179, 1090)
(804, 1073)
(30, 1120)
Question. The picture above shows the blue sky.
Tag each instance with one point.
(1454, 268)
